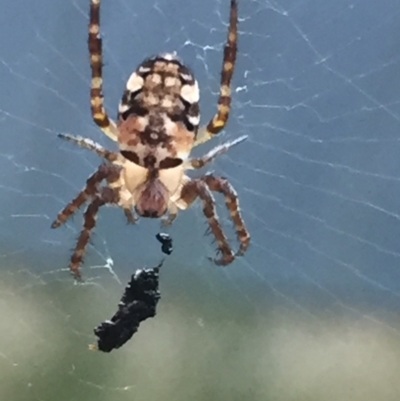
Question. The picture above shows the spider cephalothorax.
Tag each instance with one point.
(156, 128)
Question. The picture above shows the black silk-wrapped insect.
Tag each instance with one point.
(166, 243)
(137, 304)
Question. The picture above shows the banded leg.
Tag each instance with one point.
(87, 192)
(93, 146)
(107, 195)
(99, 114)
(222, 185)
(213, 153)
(198, 188)
(219, 120)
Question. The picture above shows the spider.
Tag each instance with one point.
(157, 126)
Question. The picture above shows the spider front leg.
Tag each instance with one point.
(219, 120)
(99, 114)
(98, 198)
(222, 185)
(198, 188)
(106, 196)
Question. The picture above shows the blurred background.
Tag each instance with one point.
(312, 310)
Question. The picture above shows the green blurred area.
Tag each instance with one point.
(200, 346)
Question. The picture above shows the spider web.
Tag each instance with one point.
(314, 304)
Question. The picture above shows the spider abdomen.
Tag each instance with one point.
(159, 115)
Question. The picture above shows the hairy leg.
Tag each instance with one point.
(219, 120)
(222, 185)
(87, 192)
(198, 188)
(107, 195)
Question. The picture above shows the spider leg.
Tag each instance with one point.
(172, 214)
(222, 185)
(213, 153)
(130, 216)
(198, 188)
(217, 123)
(93, 146)
(107, 195)
(86, 193)
(99, 114)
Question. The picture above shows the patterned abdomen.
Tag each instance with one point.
(158, 116)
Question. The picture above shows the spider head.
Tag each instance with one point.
(152, 198)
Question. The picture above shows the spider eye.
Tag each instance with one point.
(170, 162)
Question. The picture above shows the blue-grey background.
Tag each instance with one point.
(312, 311)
